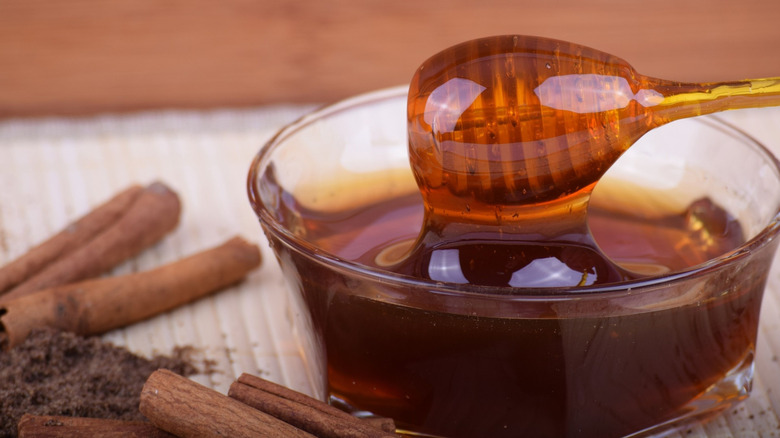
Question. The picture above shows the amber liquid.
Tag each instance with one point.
(475, 375)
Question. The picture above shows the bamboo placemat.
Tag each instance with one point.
(54, 170)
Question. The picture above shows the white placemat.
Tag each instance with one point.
(54, 170)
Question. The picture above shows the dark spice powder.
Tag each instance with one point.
(59, 373)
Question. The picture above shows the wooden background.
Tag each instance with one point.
(76, 57)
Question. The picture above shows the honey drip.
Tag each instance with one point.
(508, 136)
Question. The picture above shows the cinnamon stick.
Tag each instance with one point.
(56, 426)
(187, 409)
(98, 305)
(153, 214)
(73, 236)
(304, 412)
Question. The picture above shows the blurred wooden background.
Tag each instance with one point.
(78, 57)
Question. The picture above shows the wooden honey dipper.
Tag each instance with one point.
(508, 136)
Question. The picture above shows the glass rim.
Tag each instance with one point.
(504, 293)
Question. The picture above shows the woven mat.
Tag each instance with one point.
(55, 170)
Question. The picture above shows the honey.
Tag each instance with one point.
(468, 374)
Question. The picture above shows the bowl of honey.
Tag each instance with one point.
(641, 314)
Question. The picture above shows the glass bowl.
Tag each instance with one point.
(458, 360)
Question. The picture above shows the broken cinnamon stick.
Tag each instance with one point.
(154, 213)
(57, 426)
(73, 236)
(98, 305)
(187, 409)
(304, 412)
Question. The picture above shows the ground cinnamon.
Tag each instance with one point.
(66, 241)
(59, 373)
(96, 306)
(304, 412)
(57, 426)
(187, 409)
(153, 214)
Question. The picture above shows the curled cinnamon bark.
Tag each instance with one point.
(57, 426)
(187, 409)
(153, 214)
(304, 412)
(98, 305)
(66, 241)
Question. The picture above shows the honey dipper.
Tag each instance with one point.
(508, 136)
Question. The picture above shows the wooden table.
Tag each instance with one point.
(87, 56)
